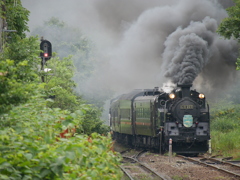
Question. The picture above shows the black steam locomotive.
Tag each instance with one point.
(149, 118)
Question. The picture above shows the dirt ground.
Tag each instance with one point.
(177, 168)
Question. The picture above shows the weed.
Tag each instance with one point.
(179, 177)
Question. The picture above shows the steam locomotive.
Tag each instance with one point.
(150, 118)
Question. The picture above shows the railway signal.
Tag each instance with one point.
(46, 47)
(46, 53)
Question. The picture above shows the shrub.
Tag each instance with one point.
(223, 124)
(31, 147)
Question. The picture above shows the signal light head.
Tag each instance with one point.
(171, 96)
(201, 96)
(45, 54)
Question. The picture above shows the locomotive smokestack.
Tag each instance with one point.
(185, 89)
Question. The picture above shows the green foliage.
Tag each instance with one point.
(229, 26)
(91, 120)
(67, 41)
(225, 129)
(225, 142)
(238, 64)
(16, 17)
(180, 177)
(18, 73)
(18, 60)
(221, 125)
(23, 49)
(70, 41)
(59, 83)
(32, 149)
(31, 143)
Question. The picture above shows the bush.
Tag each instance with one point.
(31, 146)
(18, 73)
(223, 124)
(225, 142)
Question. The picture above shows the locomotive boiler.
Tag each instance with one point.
(149, 118)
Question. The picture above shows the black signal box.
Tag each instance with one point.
(46, 47)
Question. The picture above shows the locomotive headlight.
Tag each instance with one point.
(171, 96)
(201, 96)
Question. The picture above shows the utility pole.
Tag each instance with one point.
(2, 24)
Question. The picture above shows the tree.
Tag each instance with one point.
(19, 78)
(31, 141)
(18, 61)
(71, 41)
(16, 17)
(60, 86)
(230, 26)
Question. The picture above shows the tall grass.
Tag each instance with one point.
(225, 130)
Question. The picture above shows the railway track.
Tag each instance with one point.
(221, 165)
(134, 169)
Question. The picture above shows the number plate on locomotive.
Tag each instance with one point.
(186, 107)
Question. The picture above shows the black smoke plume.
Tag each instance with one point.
(188, 51)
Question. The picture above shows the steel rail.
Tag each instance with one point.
(225, 162)
(136, 156)
(126, 150)
(206, 164)
(126, 173)
(145, 167)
